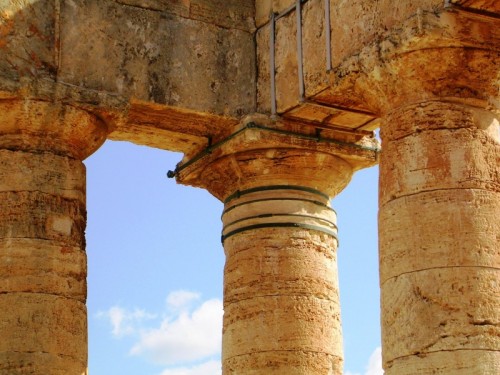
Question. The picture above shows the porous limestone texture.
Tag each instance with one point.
(439, 240)
(189, 76)
(43, 268)
(281, 297)
(353, 25)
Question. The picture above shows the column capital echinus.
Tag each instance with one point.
(50, 127)
(264, 153)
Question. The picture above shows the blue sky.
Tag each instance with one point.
(155, 267)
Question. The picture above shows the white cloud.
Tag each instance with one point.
(207, 368)
(124, 322)
(186, 338)
(374, 366)
(181, 299)
(375, 363)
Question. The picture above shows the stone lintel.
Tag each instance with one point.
(195, 57)
(142, 122)
(170, 128)
(366, 38)
(261, 152)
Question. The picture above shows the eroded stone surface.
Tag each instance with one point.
(463, 362)
(455, 229)
(440, 310)
(57, 332)
(179, 75)
(43, 289)
(439, 255)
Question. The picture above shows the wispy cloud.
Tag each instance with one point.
(181, 299)
(374, 366)
(207, 368)
(125, 322)
(186, 337)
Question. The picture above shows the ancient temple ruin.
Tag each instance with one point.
(274, 104)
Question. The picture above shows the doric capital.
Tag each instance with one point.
(53, 127)
(257, 155)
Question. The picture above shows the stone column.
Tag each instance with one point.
(439, 217)
(43, 318)
(281, 298)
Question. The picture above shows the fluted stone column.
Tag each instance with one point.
(43, 318)
(281, 297)
(439, 214)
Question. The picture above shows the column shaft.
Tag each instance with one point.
(439, 240)
(281, 299)
(43, 267)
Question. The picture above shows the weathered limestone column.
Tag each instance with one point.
(281, 298)
(43, 318)
(439, 216)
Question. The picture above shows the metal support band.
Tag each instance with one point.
(317, 203)
(280, 225)
(328, 36)
(300, 62)
(264, 216)
(272, 63)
